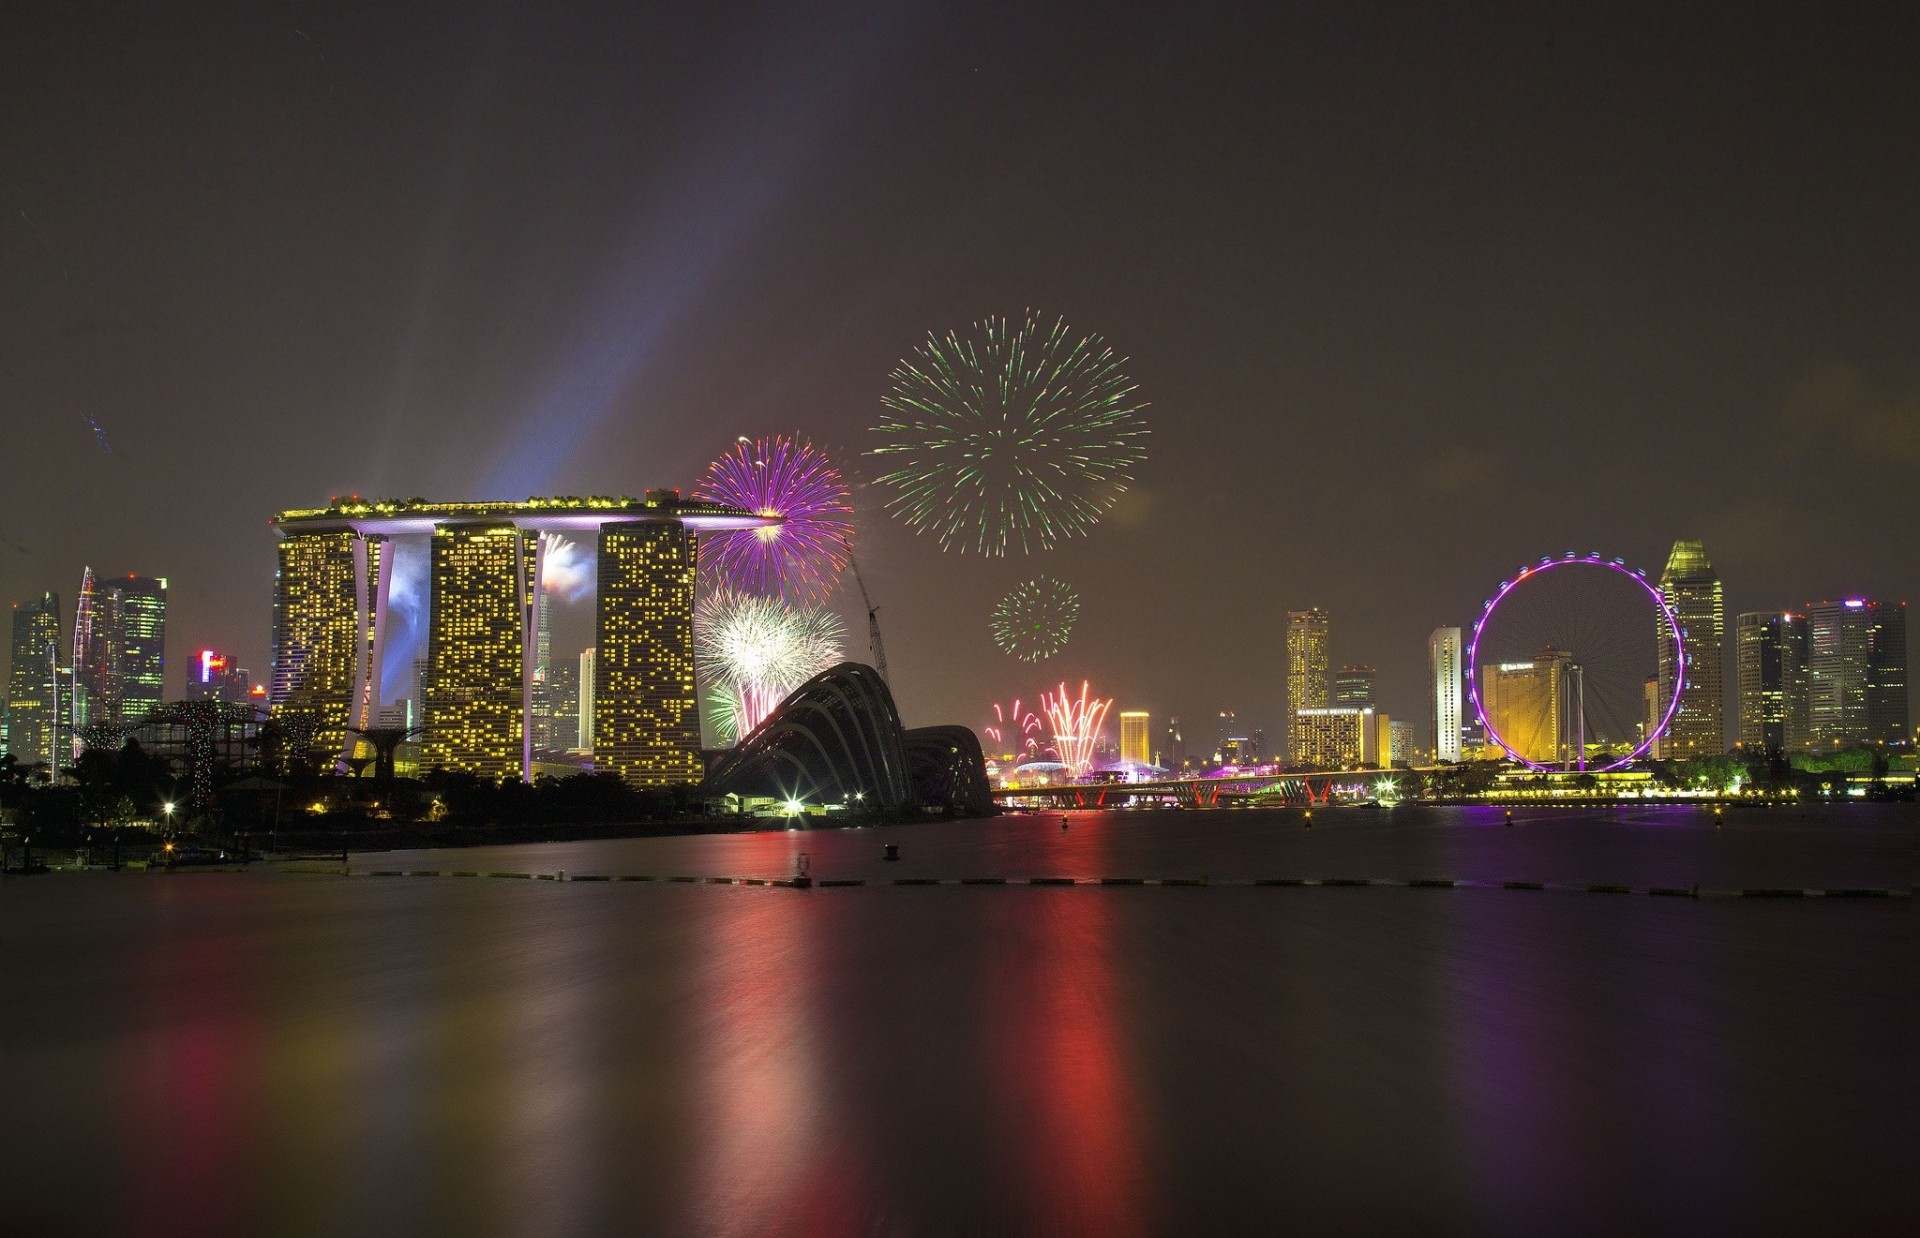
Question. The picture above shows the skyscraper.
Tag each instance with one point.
(322, 626)
(211, 676)
(1443, 660)
(1306, 665)
(646, 718)
(119, 649)
(1353, 685)
(540, 708)
(33, 682)
(143, 643)
(1174, 755)
(484, 568)
(1692, 589)
(585, 717)
(563, 702)
(1770, 651)
(1856, 673)
(1135, 746)
(1526, 705)
(97, 634)
(478, 650)
(1334, 736)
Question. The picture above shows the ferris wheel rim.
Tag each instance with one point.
(1663, 607)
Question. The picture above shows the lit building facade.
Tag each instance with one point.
(119, 649)
(584, 719)
(33, 683)
(1856, 673)
(1353, 685)
(143, 644)
(1334, 736)
(1136, 745)
(479, 659)
(1692, 589)
(212, 676)
(1307, 666)
(1444, 663)
(476, 686)
(1770, 655)
(1526, 706)
(646, 715)
(563, 703)
(1174, 755)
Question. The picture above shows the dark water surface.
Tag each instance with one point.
(278, 1053)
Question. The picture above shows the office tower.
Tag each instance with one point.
(1692, 589)
(1525, 703)
(119, 649)
(483, 644)
(1174, 755)
(1353, 686)
(1856, 673)
(540, 709)
(33, 683)
(142, 606)
(1135, 748)
(1770, 649)
(563, 701)
(1334, 736)
(1650, 717)
(1443, 714)
(97, 634)
(646, 719)
(1400, 744)
(1306, 664)
(1377, 748)
(478, 650)
(585, 717)
(211, 676)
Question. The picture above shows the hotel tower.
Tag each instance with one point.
(335, 581)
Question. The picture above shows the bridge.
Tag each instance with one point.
(1294, 787)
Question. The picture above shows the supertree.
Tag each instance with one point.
(757, 650)
(1015, 730)
(799, 560)
(1076, 724)
(1034, 620)
(1009, 436)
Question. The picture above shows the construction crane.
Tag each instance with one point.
(873, 616)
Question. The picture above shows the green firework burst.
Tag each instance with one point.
(1033, 622)
(1009, 436)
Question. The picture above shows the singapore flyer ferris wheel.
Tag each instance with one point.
(1563, 663)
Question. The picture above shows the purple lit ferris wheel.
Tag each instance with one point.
(1562, 664)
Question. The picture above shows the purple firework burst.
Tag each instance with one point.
(800, 560)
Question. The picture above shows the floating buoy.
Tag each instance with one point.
(1308, 821)
(892, 852)
(1509, 816)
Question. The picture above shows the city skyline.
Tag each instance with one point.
(1337, 267)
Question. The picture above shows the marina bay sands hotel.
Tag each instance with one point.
(485, 559)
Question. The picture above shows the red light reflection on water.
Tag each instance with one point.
(189, 1090)
(1062, 1067)
(775, 1157)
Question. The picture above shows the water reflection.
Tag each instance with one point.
(1064, 1088)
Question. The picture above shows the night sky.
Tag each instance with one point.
(1416, 296)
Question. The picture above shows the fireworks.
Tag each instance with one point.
(1034, 621)
(1015, 730)
(1076, 724)
(1005, 436)
(564, 568)
(757, 650)
(799, 560)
